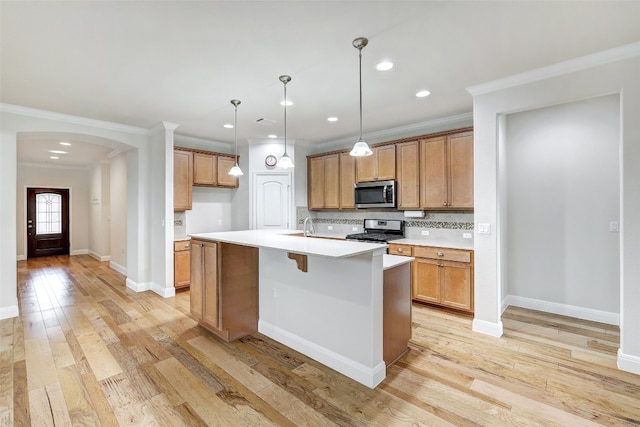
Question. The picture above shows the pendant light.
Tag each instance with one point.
(285, 161)
(235, 170)
(360, 148)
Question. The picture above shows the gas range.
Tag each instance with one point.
(379, 231)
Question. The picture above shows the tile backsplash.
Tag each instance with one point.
(449, 227)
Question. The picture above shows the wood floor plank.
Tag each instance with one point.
(118, 357)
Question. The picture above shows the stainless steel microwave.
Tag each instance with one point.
(376, 194)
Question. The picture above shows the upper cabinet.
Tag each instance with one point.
(378, 167)
(446, 172)
(182, 179)
(408, 167)
(347, 180)
(323, 182)
(202, 168)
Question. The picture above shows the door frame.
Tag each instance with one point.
(290, 194)
(25, 214)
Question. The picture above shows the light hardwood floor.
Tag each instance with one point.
(87, 351)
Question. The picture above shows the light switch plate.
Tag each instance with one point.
(613, 227)
(484, 228)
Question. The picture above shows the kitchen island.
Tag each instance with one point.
(324, 298)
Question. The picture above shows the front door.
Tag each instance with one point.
(47, 222)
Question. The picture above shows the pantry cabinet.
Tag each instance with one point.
(380, 166)
(446, 172)
(182, 180)
(224, 288)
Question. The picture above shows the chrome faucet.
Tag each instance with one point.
(312, 230)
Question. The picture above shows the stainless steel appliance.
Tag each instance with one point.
(380, 231)
(376, 194)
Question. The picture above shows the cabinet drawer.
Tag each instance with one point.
(459, 255)
(181, 245)
(398, 249)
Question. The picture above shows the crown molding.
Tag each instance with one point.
(67, 118)
(203, 144)
(52, 166)
(571, 66)
(408, 130)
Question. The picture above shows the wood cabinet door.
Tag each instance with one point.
(426, 280)
(331, 181)
(408, 169)
(433, 173)
(315, 183)
(181, 269)
(223, 167)
(210, 312)
(366, 168)
(457, 291)
(204, 169)
(460, 170)
(197, 278)
(386, 162)
(182, 180)
(347, 180)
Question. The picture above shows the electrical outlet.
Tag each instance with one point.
(219, 222)
(466, 235)
(354, 228)
(484, 228)
(425, 232)
(613, 227)
(330, 227)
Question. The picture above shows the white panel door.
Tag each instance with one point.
(272, 204)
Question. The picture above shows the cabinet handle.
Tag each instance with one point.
(200, 245)
(440, 253)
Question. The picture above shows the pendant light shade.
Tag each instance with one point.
(285, 161)
(361, 148)
(235, 170)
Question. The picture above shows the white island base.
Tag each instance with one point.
(332, 313)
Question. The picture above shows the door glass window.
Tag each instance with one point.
(48, 213)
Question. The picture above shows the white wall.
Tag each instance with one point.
(118, 212)
(77, 180)
(562, 177)
(612, 72)
(211, 210)
(99, 212)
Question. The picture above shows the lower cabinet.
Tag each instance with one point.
(224, 288)
(181, 264)
(441, 276)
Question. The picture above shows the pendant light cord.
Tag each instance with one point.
(360, 77)
(285, 118)
(235, 130)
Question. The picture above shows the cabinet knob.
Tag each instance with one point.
(186, 245)
(440, 253)
(444, 204)
(400, 250)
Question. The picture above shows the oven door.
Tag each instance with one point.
(379, 194)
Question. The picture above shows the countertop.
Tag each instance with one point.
(405, 241)
(288, 241)
(180, 238)
(391, 261)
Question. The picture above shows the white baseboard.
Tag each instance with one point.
(21, 257)
(629, 363)
(79, 252)
(162, 291)
(370, 377)
(9, 312)
(117, 267)
(101, 258)
(138, 287)
(487, 328)
(563, 309)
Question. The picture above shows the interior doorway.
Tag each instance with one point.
(47, 222)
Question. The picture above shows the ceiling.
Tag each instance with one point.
(142, 62)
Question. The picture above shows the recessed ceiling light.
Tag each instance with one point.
(54, 157)
(332, 119)
(65, 143)
(288, 103)
(384, 66)
(57, 152)
(423, 93)
(228, 126)
(272, 136)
